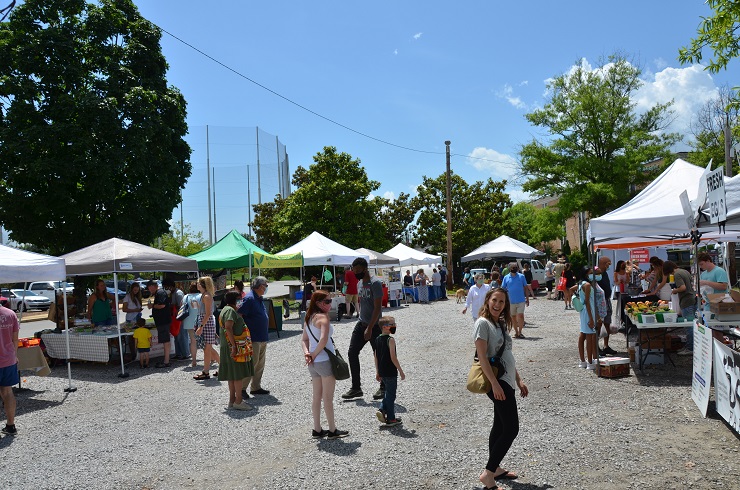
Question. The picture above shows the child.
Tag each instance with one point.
(143, 339)
(495, 280)
(387, 369)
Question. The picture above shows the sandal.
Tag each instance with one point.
(506, 475)
(202, 376)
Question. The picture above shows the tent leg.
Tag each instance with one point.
(123, 374)
(70, 388)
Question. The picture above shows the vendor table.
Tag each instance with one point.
(659, 331)
(85, 347)
(32, 359)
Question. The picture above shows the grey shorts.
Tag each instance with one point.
(320, 369)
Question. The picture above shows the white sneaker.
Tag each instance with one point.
(592, 366)
(582, 364)
(685, 352)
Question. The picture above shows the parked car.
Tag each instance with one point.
(24, 300)
(48, 288)
(121, 294)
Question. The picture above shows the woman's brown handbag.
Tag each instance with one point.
(477, 380)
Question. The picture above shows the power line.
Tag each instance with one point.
(326, 118)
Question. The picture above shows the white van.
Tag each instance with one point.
(48, 288)
(538, 270)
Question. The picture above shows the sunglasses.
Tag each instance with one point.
(326, 301)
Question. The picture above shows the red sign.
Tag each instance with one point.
(639, 255)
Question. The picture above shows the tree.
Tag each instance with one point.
(333, 196)
(531, 225)
(186, 243)
(477, 213)
(91, 136)
(598, 141)
(397, 215)
(708, 129)
(719, 32)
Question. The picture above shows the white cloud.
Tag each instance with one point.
(660, 63)
(418, 35)
(690, 88)
(395, 51)
(389, 195)
(501, 166)
(524, 83)
(508, 93)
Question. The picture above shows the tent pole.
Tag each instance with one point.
(250, 267)
(123, 374)
(70, 388)
(23, 303)
(335, 277)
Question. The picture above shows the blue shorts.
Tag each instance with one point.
(143, 349)
(9, 375)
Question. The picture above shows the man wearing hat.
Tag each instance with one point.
(558, 273)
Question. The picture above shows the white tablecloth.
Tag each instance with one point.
(85, 347)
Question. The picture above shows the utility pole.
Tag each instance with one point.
(450, 270)
(208, 174)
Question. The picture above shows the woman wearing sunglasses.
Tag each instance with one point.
(317, 333)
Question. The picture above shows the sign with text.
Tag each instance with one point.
(726, 381)
(270, 261)
(640, 255)
(716, 196)
(702, 371)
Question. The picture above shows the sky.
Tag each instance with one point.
(412, 73)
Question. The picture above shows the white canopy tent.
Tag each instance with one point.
(21, 266)
(116, 255)
(319, 250)
(502, 246)
(408, 256)
(377, 259)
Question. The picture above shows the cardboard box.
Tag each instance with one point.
(655, 341)
(614, 367)
(725, 311)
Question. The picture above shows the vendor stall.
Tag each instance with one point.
(115, 256)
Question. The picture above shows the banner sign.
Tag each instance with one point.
(269, 261)
(716, 196)
(640, 255)
(727, 383)
(702, 371)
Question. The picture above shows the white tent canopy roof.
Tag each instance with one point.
(408, 256)
(21, 266)
(122, 256)
(377, 258)
(319, 250)
(656, 211)
(502, 246)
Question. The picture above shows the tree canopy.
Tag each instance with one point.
(708, 125)
(477, 213)
(719, 32)
(186, 243)
(531, 225)
(597, 141)
(91, 136)
(333, 196)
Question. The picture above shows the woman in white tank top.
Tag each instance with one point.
(317, 332)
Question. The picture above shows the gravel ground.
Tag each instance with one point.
(159, 429)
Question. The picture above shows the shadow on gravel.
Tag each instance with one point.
(263, 400)
(24, 404)
(6, 441)
(527, 486)
(400, 431)
(360, 402)
(241, 414)
(529, 337)
(338, 447)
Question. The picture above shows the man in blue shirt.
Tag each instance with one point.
(255, 315)
(516, 285)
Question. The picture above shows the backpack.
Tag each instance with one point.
(576, 301)
(184, 310)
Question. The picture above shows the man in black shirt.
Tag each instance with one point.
(162, 318)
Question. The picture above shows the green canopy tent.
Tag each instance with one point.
(234, 251)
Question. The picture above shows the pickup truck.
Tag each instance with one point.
(48, 288)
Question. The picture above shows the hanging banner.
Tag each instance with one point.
(727, 383)
(269, 261)
(702, 368)
(640, 255)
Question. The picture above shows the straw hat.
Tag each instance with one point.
(561, 260)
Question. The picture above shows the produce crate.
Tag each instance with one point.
(614, 367)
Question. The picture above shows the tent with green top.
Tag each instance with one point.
(234, 251)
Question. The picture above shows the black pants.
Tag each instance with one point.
(505, 426)
(356, 343)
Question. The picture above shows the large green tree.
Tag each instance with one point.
(334, 197)
(719, 32)
(597, 142)
(531, 225)
(397, 215)
(91, 135)
(477, 213)
(181, 240)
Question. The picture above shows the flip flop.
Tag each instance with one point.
(506, 475)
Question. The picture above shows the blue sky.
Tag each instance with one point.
(412, 73)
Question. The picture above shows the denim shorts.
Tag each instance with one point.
(9, 375)
(144, 349)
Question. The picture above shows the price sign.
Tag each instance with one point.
(716, 196)
(640, 255)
